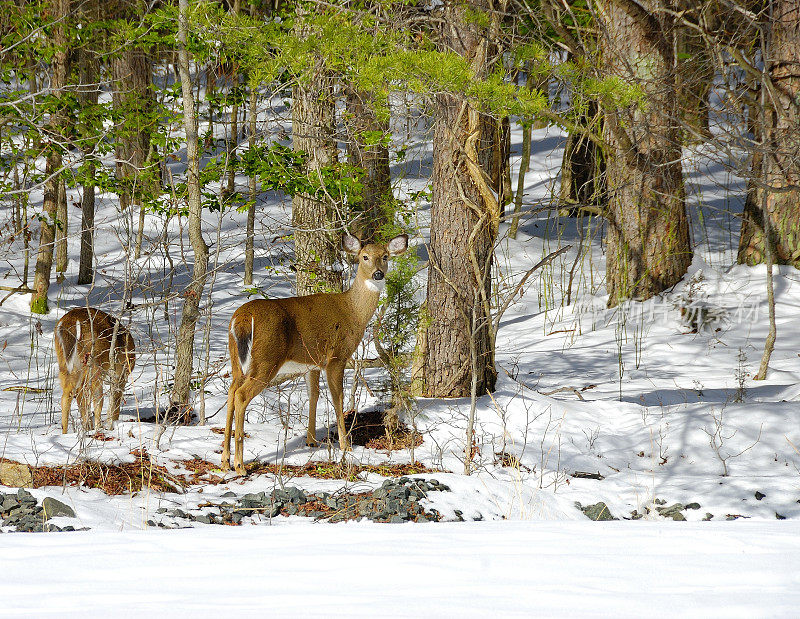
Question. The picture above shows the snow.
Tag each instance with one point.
(634, 395)
(506, 569)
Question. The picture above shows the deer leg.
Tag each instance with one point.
(96, 386)
(250, 388)
(84, 398)
(335, 375)
(67, 388)
(312, 384)
(117, 388)
(226, 440)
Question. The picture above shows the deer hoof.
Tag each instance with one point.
(312, 442)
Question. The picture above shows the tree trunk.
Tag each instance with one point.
(524, 163)
(781, 150)
(62, 230)
(184, 349)
(583, 168)
(648, 231)
(364, 129)
(88, 75)
(464, 221)
(317, 237)
(249, 251)
(133, 101)
(58, 80)
(695, 74)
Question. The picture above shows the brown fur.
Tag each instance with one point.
(320, 330)
(82, 342)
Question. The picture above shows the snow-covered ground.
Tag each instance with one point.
(657, 411)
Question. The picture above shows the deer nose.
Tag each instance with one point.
(377, 275)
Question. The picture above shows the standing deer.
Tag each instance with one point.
(303, 334)
(83, 342)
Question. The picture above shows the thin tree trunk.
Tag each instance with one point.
(184, 349)
(525, 161)
(62, 230)
(58, 80)
(249, 252)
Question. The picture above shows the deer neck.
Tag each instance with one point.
(363, 299)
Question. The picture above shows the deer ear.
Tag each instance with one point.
(397, 245)
(351, 244)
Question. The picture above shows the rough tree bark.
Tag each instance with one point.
(88, 75)
(317, 237)
(781, 150)
(184, 349)
(133, 101)
(464, 221)
(648, 232)
(695, 70)
(583, 171)
(363, 126)
(58, 80)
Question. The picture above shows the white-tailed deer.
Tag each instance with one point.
(83, 341)
(303, 334)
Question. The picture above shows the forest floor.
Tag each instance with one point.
(649, 409)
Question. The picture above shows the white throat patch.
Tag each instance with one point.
(375, 285)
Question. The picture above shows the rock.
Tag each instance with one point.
(779, 516)
(15, 475)
(25, 497)
(693, 506)
(598, 511)
(396, 519)
(759, 495)
(9, 502)
(228, 494)
(204, 518)
(53, 507)
(708, 516)
(670, 511)
(679, 516)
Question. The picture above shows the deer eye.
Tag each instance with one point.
(385, 256)
(366, 258)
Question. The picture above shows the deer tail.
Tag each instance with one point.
(244, 342)
(69, 343)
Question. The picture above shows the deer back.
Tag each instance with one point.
(84, 337)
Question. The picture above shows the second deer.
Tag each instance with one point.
(84, 341)
(303, 334)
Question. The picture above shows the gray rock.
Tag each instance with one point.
(53, 507)
(396, 519)
(204, 518)
(598, 511)
(678, 516)
(9, 502)
(25, 497)
(669, 512)
(693, 506)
